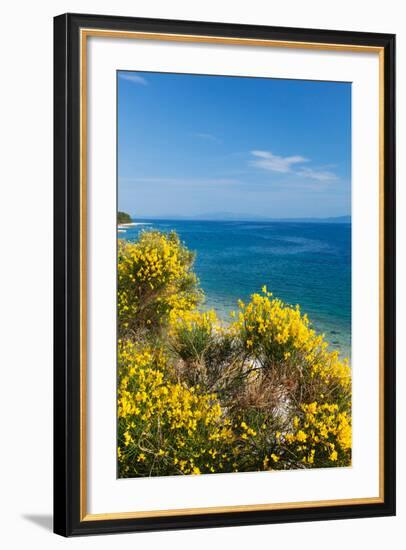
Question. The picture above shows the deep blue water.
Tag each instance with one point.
(302, 263)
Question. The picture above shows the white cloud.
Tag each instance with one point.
(319, 175)
(275, 163)
(287, 165)
(132, 77)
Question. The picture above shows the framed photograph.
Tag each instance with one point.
(224, 274)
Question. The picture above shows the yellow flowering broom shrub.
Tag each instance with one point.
(195, 395)
(320, 436)
(155, 276)
(296, 384)
(164, 427)
(291, 355)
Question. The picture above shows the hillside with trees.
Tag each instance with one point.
(123, 217)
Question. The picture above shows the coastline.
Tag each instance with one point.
(131, 224)
(122, 227)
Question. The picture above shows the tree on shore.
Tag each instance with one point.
(123, 217)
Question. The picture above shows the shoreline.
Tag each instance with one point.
(131, 224)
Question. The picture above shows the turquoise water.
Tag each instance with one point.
(301, 263)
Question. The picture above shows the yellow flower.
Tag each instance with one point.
(333, 456)
(312, 408)
(301, 436)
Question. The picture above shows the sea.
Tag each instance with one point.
(302, 263)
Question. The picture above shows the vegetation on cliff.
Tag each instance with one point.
(123, 217)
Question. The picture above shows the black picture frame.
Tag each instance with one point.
(67, 288)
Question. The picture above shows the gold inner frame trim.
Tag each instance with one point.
(173, 37)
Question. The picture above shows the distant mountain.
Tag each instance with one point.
(230, 216)
(335, 219)
(226, 216)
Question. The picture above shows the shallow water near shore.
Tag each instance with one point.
(302, 263)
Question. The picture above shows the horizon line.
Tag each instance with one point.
(242, 218)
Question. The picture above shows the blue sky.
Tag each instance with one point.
(190, 145)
